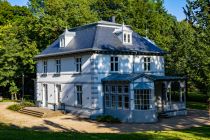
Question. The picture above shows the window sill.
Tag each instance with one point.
(77, 73)
(56, 75)
(114, 72)
(44, 75)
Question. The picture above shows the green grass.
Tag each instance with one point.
(14, 133)
(197, 105)
(7, 100)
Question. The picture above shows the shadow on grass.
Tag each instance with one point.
(199, 131)
(13, 132)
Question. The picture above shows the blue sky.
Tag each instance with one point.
(173, 7)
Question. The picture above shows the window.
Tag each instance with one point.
(58, 92)
(62, 42)
(116, 96)
(127, 38)
(126, 102)
(142, 99)
(107, 100)
(114, 63)
(147, 64)
(45, 66)
(58, 66)
(79, 94)
(78, 64)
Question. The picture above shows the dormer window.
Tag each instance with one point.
(66, 38)
(124, 33)
(127, 38)
(62, 42)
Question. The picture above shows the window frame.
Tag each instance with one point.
(44, 66)
(114, 63)
(147, 64)
(59, 91)
(127, 38)
(62, 42)
(78, 64)
(142, 99)
(58, 66)
(79, 93)
(112, 91)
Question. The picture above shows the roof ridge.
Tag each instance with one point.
(102, 22)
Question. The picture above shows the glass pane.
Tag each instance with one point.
(120, 101)
(113, 89)
(129, 38)
(116, 59)
(119, 89)
(116, 66)
(112, 67)
(113, 101)
(126, 89)
(126, 102)
(124, 37)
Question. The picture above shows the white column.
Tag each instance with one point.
(132, 105)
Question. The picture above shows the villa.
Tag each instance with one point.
(105, 68)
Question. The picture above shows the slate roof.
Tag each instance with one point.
(132, 77)
(121, 77)
(164, 78)
(143, 85)
(92, 37)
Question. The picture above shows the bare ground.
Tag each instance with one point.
(194, 118)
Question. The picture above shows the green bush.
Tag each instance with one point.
(107, 118)
(16, 107)
(19, 106)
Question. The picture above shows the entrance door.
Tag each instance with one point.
(45, 95)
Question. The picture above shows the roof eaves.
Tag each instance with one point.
(61, 53)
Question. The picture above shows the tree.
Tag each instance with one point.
(198, 15)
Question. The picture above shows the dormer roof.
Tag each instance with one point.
(67, 33)
(100, 37)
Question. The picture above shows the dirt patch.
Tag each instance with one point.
(194, 118)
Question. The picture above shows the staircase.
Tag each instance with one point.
(40, 112)
(32, 112)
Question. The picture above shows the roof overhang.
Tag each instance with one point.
(131, 77)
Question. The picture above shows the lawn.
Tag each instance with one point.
(14, 133)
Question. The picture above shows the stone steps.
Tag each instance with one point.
(32, 112)
(40, 112)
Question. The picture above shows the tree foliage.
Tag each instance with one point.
(25, 31)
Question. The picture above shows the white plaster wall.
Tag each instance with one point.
(94, 68)
(129, 64)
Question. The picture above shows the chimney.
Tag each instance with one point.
(113, 19)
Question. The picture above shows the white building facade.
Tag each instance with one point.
(105, 68)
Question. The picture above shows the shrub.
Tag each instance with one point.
(107, 118)
(197, 97)
(19, 106)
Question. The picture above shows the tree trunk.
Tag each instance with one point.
(15, 96)
(12, 97)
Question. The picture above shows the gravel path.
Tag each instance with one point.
(194, 118)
